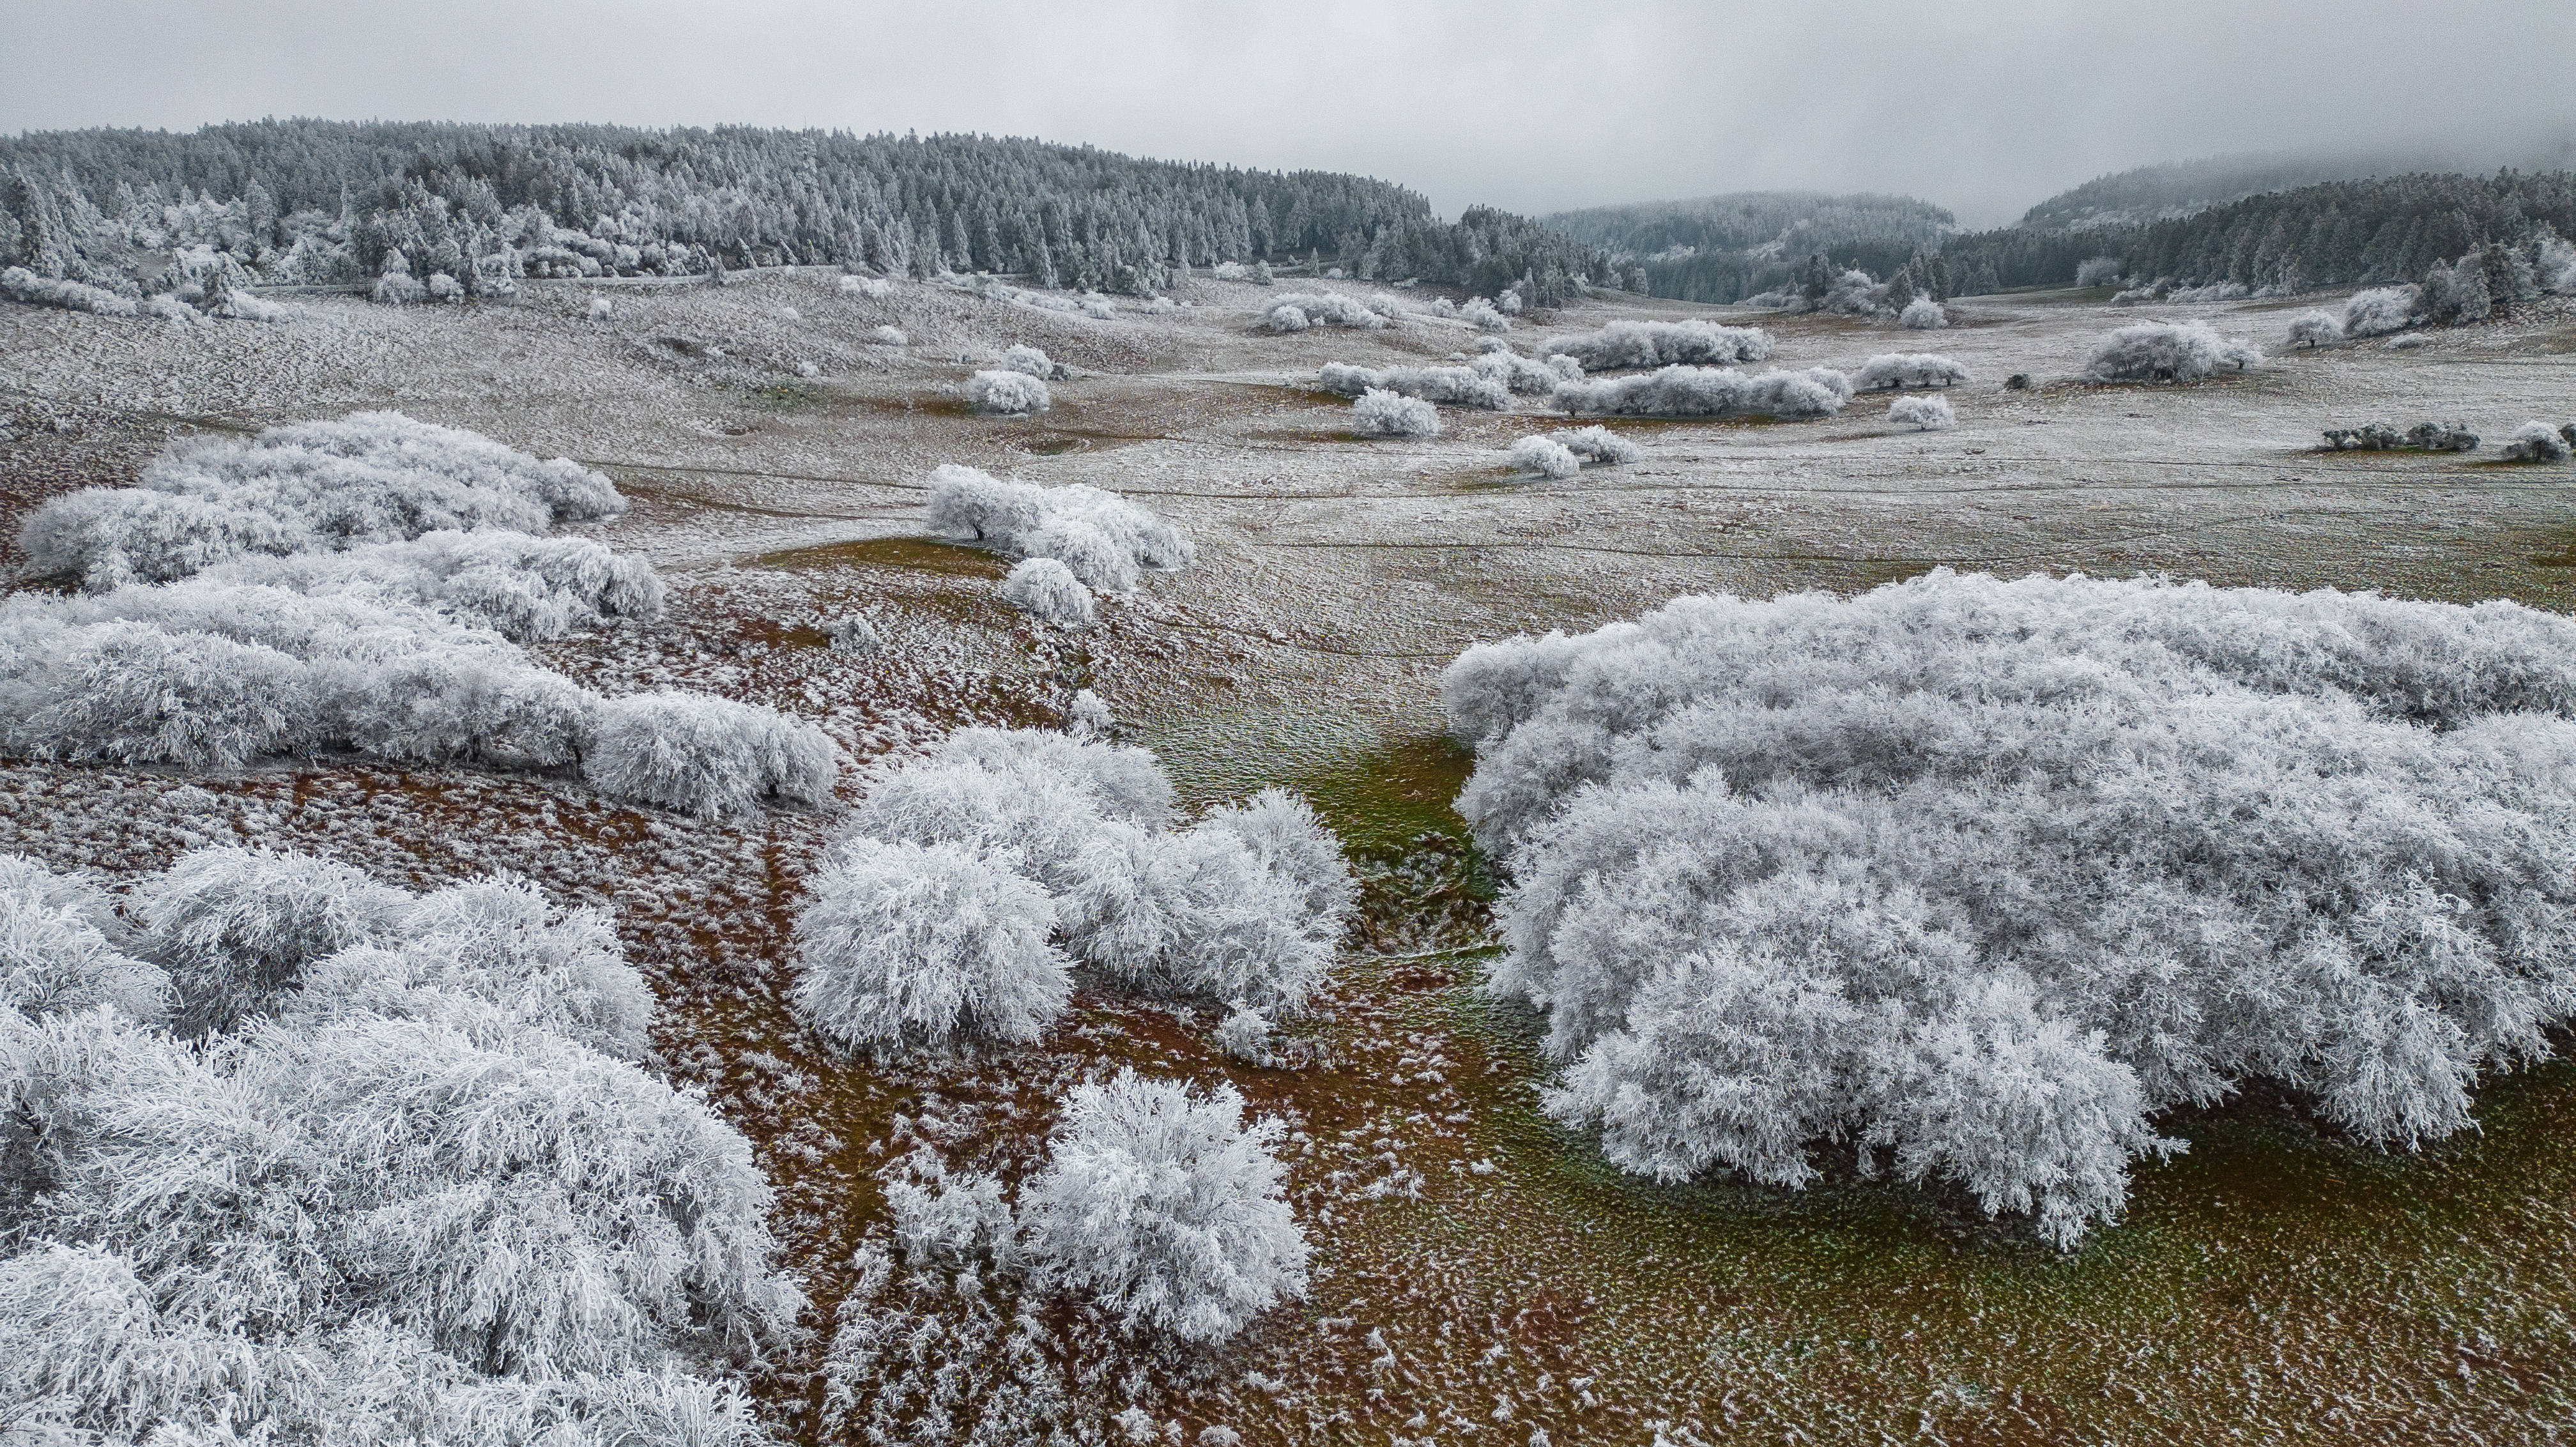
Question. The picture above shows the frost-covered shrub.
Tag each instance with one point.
(1014, 394)
(1599, 444)
(1908, 369)
(944, 1217)
(1483, 315)
(442, 287)
(903, 944)
(711, 757)
(1296, 311)
(19, 284)
(2167, 352)
(1204, 912)
(1244, 1035)
(1088, 715)
(2381, 311)
(1923, 314)
(2315, 329)
(524, 588)
(1464, 386)
(397, 287)
(600, 309)
(55, 954)
(1289, 841)
(2441, 437)
(1031, 361)
(853, 633)
(1710, 392)
(1545, 456)
(1164, 1208)
(2099, 271)
(1929, 414)
(1380, 413)
(1521, 374)
(1884, 870)
(874, 288)
(237, 928)
(1048, 591)
(889, 337)
(2535, 442)
(372, 477)
(1509, 303)
(2457, 293)
(1662, 344)
(1102, 537)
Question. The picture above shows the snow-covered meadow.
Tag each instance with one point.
(1466, 1261)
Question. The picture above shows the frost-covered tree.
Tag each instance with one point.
(1927, 414)
(711, 757)
(2458, 293)
(1544, 456)
(1908, 369)
(2379, 311)
(1380, 413)
(2099, 271)
(1102, 537)
(2536, 442)
(1710, 392)
(2315, 329)
(2167, 352)
(1048, 591)
(1009, 394)
(1165, 1209)
(904, 944)
(1923, 314)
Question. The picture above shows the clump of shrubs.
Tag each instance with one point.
(17, 283)
(1545, 456)
(1521, 374)
(2539, 442)
(2314, 329)
(1468, 386)
(1908, 369)
(1381, 413)
(2167, 352)
(711, 757)
(1710, 392)
(1923, 314)
(2381, 311)
(1562, 454)
(1776, 887)
(1102, 538)
(1625, 344)
(1927, 414)
(1047, 590)
(2422, 437)
(1296, 311)
(1008, 394)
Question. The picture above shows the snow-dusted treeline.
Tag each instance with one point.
(2167, 352)
(969, 885)
(1468, 386)
(1710, 392)
(296, 1156)
(1908, 369)
(1102, 541)
(1662, 344)
(1980, 876)
(356, 586)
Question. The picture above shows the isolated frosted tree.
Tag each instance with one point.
(1927, 414)
(1380, 413)
(2167, 352)
(1164, 1209)
(1923, 314)
(2315, 329)
(2099, 271)
(2536, 442)
(2380, 311)
(926, 945)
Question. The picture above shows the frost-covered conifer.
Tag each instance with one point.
(903, 944)
(1928, 414)
(1165, 1209)
(1923, 314)
(711, 757)
(1010, 394)
(2167, 352)
(2315, 329)
(1380, 413)
(1048, 591)
(1545, 456)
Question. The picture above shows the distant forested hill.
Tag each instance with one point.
(305, 200)
(1724, 248)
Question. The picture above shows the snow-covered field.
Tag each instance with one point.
(1478, 1274)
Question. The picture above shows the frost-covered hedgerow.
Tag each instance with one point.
(1908, 369)
(1662, 344)
(2381, 311)
(1048, 591)
(372, 477)
(1380, 413)
(408, 1197)
(2167, 352)
(905, 944)
(711, 757)
(2538, 442)
(2422, 437)
(1163, 1207)
(1710, 392)
(2315, 329)
(1297, 310)
(1545, 456)
(19, 284)
(1245, 905)
(1463, 386)
(1102, 537)
(1008, 394)
(1929, 414)
(1923, 314)
(1980, 876)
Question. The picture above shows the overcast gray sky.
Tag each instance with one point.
(1984, 106)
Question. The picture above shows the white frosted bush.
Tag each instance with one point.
(2315, 329)
(600, 309)
(524, 588)
(1598, 443)
(889, 337)
(1296, 311)
(1029, 360)
(1483, 316)
(1380, 413)
(1710, 392)
(1024, 521)
(1198, 912)
(443, 287)
(1545, 456)
(1010, 394)
(1929, 414)
(903, 944)
(56, 959)
(1662, 344)
(2167, 352)
(1908, 369)
(1465, 386)
(853, 633)
(1286, 317)
(2536, 442)
(943, 1217)
(19, 284)
(237, 928)
(711, 757)
(1509, 303)
(1874, 869)
(397, 288)
(1047, 590)
(1923, 314)
(1517, 373)
(2381, 310)
(2099, 271)
(1165, 1209)
(1290, 842)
